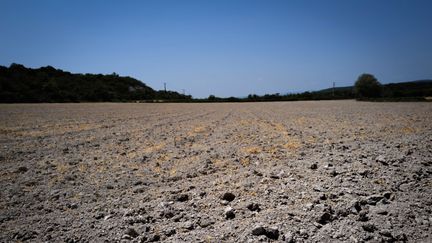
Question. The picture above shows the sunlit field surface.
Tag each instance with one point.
(317, 171)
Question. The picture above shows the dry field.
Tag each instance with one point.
(329, 171)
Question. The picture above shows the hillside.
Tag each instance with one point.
(416, 88)
(47, 84)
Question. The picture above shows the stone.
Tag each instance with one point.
(155, 237)
(182, 198)
(70, 177)
(22, 169)
(177, 217)
(271, 233)
(355, 207)
(303, 233)
(402, 237)
(139, 189)
(99, 215)
(189, 225)
(257, 173)
(341, 212)
(260, 230)
(369, 227)
(388, 195)
(314, 166)
(205, 222)
(228, 196)
(324, 218)
(253, 207)
(168, 213)
(363, 216)
(73, 205)
(323, 197)
(381, 212)
(373, 199)
(334, 173)
(386, 233)
(364, 172)
(319, 207)
(225, 202)
(229, 213)
(309, 206)
(381, 159)
(131, 232)
(170, 231)
(288, 237)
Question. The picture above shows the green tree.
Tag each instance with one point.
(212, 97)
(367, 86)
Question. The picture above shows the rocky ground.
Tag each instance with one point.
(329, 171)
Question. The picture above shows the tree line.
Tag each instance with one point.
(47, 84)
(366, 87)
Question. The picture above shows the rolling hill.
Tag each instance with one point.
(46, 84)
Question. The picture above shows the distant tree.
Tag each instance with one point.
(211, 97)
(253, 97)
(367, 86)
(232, 99)
(16, 66)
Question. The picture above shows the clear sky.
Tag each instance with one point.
(225, 48)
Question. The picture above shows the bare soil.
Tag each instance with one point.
(324, 171)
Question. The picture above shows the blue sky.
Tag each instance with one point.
(225, 48)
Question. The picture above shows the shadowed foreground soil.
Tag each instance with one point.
(333, 171)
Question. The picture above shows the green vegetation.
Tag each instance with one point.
(47, 84)
(367, 86)
(405, 91)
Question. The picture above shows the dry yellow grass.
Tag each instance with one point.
(163, 157)
(292, 145)
(82, 168)
(200, 129)
(157, 169)
(245, 161)
(173, 172)
(408, 130)
(62, 168)
(252, 150)
(154, 148)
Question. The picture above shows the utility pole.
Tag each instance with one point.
(334, 88)
(165, 87)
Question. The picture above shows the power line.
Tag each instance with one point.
(333, 91)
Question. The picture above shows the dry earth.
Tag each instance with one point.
(333, 171)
